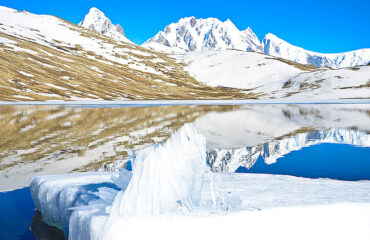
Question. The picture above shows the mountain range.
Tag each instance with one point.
(44, 57)
(191, 34)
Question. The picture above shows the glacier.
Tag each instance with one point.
(171, 190)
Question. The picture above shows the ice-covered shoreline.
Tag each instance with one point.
(81, 201)
(171, 191)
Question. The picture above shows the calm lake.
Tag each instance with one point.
(313, 141)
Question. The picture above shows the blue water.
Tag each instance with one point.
(16, 212)
(336, 161)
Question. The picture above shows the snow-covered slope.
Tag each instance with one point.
(237, 69)
(272, 45)
(191, 34)
(267, 76)
(97, 21)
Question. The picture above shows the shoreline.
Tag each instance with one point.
(142, 103)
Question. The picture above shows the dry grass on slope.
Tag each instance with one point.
(57, 71)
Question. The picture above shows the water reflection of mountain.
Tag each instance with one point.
(254, 125)
(39, 140)
(229, 160)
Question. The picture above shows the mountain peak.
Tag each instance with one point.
(94, 10)
(192, 34)
(97, 21)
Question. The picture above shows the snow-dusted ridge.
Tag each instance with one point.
(274, 46)
(97, 21)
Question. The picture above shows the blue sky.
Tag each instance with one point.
(319, 25)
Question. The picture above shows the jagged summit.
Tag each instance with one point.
(97, 21)
(192, 34)
(273, 45)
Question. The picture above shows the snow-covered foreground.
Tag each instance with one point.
(171, 195)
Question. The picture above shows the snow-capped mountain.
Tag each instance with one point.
(272, 45)
(191, 34)
(97, 21)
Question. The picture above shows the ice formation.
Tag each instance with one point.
(166, 177)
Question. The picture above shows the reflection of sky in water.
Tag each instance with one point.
(336, 161)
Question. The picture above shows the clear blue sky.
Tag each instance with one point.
(318, 25)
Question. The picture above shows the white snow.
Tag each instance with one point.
(54, 86)
(262, 74)
(238, 69)
(275, 46)
(26, 74)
